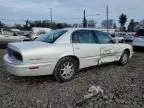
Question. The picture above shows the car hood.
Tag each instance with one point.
(27, 46)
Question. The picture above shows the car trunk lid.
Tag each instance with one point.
(26, 46)
(27, 50)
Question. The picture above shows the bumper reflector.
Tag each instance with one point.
(33, 68)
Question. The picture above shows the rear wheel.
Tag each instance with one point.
(124, 58)
(65, 69)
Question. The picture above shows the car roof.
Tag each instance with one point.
(73, 29)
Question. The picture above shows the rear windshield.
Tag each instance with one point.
(51, 36)
(140, 32)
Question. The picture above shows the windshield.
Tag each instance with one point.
(51, 36)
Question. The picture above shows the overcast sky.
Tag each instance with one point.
(70, 11)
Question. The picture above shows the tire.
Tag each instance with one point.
(65, 69)
(124, 58)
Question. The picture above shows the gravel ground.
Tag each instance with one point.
(123, 87)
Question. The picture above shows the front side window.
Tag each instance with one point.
(51, 36)
(83, 36)
(103, 38)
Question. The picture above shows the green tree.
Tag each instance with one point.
(131, 25)
(122, 21)
(84, 21)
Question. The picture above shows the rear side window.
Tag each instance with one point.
(83, 36)
(140, 32)
(103, 38)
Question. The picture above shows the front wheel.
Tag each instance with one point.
(124, 58)
(65, 69)
(35, 38)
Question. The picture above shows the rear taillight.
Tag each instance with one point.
(33, 68)
(17, 56)
(14, 54)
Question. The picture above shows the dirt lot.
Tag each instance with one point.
(123, 87)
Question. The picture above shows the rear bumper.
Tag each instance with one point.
(24, 70)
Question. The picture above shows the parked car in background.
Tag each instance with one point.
(9, 35)
(37, 31)
(63, 52)
(117, 38)
(112, 32)
(129, 38)
(138, 41)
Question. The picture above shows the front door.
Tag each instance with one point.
(107, 47)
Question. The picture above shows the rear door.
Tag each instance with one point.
(107, 47)
(85, 47)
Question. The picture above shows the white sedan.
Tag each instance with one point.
(11, 36)
(63, 52)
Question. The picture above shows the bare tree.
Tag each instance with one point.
(75, 25)
(110, 24)
(91, 23)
